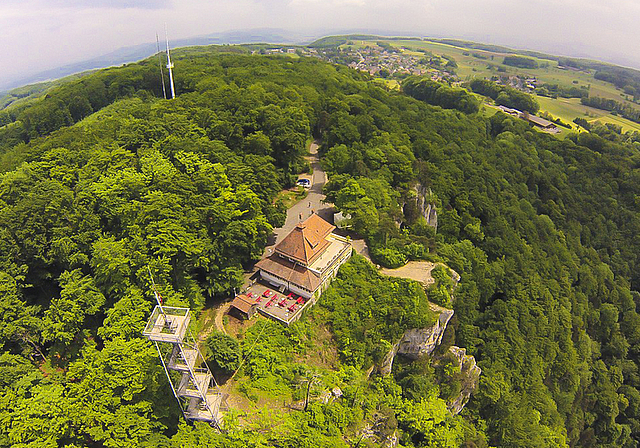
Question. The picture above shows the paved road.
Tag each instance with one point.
(304, 208)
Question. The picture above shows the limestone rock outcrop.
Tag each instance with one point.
(471, 377)
(419, 341)
(425, 205)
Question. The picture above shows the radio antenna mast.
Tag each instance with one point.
(164, 91)
(169, 64)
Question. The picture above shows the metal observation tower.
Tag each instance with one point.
(190, 379)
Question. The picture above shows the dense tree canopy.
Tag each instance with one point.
(544, 233)
(520, 61)
(440, 95)
(505, 96)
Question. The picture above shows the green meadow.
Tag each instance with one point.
(474, 63)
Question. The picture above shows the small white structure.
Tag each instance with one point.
(169, 65)
(341, 220)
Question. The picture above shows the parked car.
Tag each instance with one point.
(306, 183)
(267, 293)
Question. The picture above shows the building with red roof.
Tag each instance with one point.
(307, 259)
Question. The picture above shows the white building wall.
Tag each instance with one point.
(272, 279)
(332, 272)
(299, 291)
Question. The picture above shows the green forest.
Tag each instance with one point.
(101, 179)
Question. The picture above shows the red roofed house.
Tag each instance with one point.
(307, 259)
(243, 307)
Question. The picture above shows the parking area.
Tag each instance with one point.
(284, 307)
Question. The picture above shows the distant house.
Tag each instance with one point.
(243, 307)
(538, 121)
(509, 111)
(307, 259)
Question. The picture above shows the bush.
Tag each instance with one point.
(223, 352)
(389, 258)
(439, 295)
(582, 122)
(415, 251)
(421, 228)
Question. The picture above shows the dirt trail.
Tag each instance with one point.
(218, 324)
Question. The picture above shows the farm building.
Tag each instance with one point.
(509, 111)
(538, 121)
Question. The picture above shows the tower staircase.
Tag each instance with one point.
(191, 381)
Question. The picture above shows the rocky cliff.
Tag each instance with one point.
(423, 341)
(419, 341)
(425, 205)
(471, 374)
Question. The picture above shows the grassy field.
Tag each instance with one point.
(567, 109)
(627, 125)
(470, 67)
(291, 196)
(390, 84)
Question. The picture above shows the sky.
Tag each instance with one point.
(36, 35)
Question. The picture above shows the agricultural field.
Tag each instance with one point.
(567, 109)
(475, 63)
(472, 66)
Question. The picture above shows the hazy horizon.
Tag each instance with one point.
(38, 35)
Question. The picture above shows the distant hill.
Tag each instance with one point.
(334, 41)
(138, 52)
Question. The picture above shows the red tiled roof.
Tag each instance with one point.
(306, 241)
(291, 272)
(243, 303)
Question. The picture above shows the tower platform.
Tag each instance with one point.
(168, 326)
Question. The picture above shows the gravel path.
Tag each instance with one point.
(414, 270)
